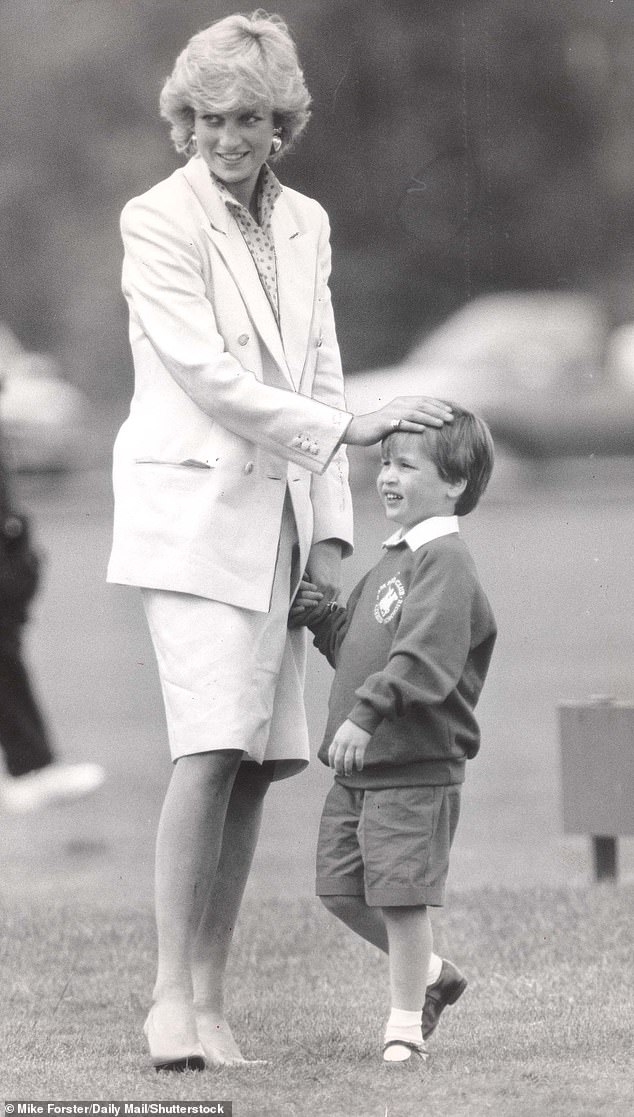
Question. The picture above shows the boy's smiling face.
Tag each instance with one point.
(409, 484)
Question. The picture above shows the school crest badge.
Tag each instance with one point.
(389, 600)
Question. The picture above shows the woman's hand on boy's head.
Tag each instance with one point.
(347, 748)
(306, 601)
(410, 414)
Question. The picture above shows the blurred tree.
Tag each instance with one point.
(458, 147)
(471, 158)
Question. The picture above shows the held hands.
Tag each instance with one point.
(405, 413)
(320, 587)
(323, 571)
(306, 599)
(347, 748)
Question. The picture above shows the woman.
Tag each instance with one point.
(230, 481)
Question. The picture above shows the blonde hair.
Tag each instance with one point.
(241, 61)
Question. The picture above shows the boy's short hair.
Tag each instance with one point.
(462, 451)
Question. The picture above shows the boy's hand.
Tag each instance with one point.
(306, 598)
(347, 748)
(324, 571)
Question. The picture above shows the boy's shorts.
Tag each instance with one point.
(390, 845)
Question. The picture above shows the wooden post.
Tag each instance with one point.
(597, 768)
(605, 858)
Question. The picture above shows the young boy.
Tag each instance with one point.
(411, 653)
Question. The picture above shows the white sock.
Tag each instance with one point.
(435, 966)
(403, 1025)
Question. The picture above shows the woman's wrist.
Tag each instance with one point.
(334, 543)
(351, 433)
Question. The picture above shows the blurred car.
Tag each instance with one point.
(542, 368)
(42, 416)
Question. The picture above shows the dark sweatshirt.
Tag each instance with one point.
(411, 653)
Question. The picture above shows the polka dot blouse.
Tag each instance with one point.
(258, 235)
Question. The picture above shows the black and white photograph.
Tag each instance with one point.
(316, 501)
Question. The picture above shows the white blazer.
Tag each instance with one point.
(228, 409)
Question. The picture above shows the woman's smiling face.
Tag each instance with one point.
(234, 145)
(409, 484)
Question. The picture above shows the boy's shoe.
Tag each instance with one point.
(410, 1053)
(450, 985)
(53, 784)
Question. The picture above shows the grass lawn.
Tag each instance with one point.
(546, 1026)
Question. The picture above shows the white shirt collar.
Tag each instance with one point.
(424, 532)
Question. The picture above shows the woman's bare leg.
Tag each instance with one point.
(215, 931)
(188, 846)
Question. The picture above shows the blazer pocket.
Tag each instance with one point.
(188, 463)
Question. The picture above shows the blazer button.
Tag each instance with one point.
(320, 342)
(248, 467)
(243, 339)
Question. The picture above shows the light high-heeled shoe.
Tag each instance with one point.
(170, 1029)
(219, 1047)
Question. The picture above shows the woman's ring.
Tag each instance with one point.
(332, 606)
(396, 423)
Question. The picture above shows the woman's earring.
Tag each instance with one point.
(276, 143)
(192, 145)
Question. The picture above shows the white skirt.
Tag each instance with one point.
(233, 678)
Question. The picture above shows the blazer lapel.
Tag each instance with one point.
(226, 236)
(296, 254)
